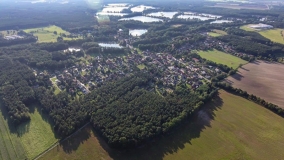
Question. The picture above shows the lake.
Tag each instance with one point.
(110, 45)
(111, 14)
(194, 17)
(221, 21)
(137, 32)
(163, 14)
(114, 9)
(143, 19)
(141, 8)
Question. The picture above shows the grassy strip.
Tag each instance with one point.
(222, 58)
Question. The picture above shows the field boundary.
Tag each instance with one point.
(58, 142)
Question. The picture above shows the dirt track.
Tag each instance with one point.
(263, 79)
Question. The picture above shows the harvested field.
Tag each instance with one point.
(228, 127)
(263, 79)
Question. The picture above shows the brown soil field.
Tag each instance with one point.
(263, 79)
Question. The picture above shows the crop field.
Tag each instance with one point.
(229, 127)
(46, 34)
(28, 139)
(222, 58)
(217, 33)
(263, 79)
(83, 145)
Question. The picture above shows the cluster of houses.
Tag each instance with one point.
(86, 77)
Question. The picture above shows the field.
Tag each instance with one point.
(242, 6)
(222, 58)
(103, 19)
(275, 35)
(229, 127)
(217, 33)
(11, 147)
(262, 79)
(28, 139)
(46, 34)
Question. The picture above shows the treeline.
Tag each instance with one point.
(16, 80)
(248, 46)
(274, 108)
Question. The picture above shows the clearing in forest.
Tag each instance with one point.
(263, 79)
(28, 139)
(222, 58)
(49, 34)
(275, 35)
(228, 127)
(217, 33)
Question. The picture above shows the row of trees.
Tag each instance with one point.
(274, 108)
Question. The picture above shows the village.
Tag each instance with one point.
(81, 79)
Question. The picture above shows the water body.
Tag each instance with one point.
(202, 18)
(141, 8)
(143, 19)
(110, 45)
(114, 9)
(137, 32)
(163, 14)
(111, 14)
(221, 21)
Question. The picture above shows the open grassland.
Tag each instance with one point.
(222, 58)
(103, 19)
(217, 33)
(28, 139)
(263, 79)
(37, 135)
(229, 127)
(10, 144)
(83, 145)
(275, 35)
(46, 34)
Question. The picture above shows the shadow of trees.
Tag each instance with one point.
(24, 127)
(174, 141)
(71, 144)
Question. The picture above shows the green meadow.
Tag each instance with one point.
(46, 34)
(222, 58)
(27, 140)
(217, 33)
(275, 35)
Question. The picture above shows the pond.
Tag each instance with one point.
(143, 19)
(141, 8)
(163, 14)
(137, 32)
(194, 17)
(221, 21)
(110, 45)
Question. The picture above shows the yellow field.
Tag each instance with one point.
(229, 127)
(46, 34)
